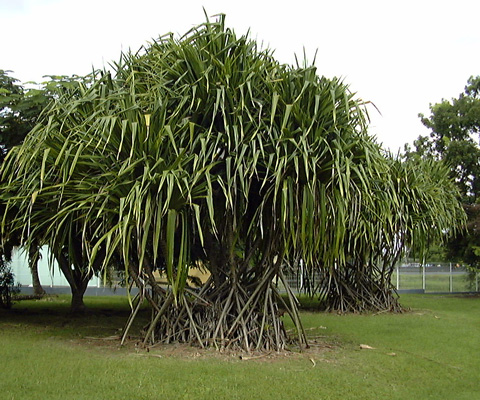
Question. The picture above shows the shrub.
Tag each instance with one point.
(7, 284)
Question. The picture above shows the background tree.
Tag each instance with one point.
(20, 110)
(21, 105)
(7, 278)
(454, 138)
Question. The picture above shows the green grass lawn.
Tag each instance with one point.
(431, 352)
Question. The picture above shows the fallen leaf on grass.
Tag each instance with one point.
(366, 347)
(254, 357)
(115, 337)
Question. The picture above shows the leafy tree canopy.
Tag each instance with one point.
(21, 108)
(19, 111)
(454, 138)
(22, 104)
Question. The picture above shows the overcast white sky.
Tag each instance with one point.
(401, 55)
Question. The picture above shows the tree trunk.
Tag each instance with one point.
(78, 279)
(77, 306)
(38, 289)
(33, 258)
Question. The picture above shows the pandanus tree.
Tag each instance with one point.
(408, 207)
(205, 151)
(20, 109)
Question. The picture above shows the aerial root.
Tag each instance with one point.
(226, 317)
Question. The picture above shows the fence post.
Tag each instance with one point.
(424, 281)
(451, 279)
(301, 274)
(398, 277)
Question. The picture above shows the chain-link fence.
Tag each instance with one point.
(435, 277)
(408, 277)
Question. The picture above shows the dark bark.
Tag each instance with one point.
(77, 305)
(33, 258)
(78, 279)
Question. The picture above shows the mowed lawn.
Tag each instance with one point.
(430, 352)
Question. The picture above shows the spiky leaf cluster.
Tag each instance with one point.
(205, 149)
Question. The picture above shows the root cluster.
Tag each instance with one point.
(230, 316)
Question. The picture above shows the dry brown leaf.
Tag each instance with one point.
(366, 347)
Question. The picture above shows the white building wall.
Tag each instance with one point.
(49, 275)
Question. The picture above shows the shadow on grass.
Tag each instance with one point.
(51, 316)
